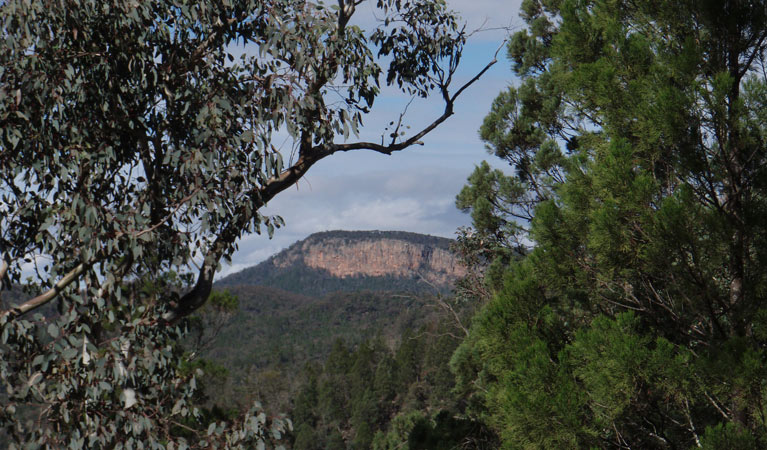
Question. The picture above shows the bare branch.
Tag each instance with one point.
(446, 306)
(52, 293)
(415, 139)
(395, 132)
(692, 426)
(480, 73)
(716, 405)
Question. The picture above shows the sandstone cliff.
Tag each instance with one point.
(354, 260)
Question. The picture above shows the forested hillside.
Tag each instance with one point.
(345, 364)
(351, 369)
(274, 334)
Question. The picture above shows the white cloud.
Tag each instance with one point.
(491, 15)
(419, 199)
(413, 190)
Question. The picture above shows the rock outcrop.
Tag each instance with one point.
(374, 256)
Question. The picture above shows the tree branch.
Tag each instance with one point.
(199, 294)
(196, 297)
(480, 73)
(3, 269)
(308, 155)
(40, 300)
(4, 265)
(389, 149)
(75, 273)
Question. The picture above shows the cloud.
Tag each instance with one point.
(417, 199)
(413, 190)
(495, 16)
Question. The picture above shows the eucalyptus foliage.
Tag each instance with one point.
(140, 139)
(638, 145)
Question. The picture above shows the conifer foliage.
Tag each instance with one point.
(638, 145)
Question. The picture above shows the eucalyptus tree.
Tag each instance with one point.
(637, 320)
(140, 139)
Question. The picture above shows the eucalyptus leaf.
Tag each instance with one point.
(133, 148)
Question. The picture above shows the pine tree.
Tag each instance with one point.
(638, 145)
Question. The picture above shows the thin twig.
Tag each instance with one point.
(481, 72)
(196, 432)
(442, 303)
(169, 216)
(716, 405)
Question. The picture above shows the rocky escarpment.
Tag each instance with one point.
(354, 260)
(374, 255)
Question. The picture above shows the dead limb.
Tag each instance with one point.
(49, 295)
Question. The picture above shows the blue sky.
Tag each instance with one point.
(413, 190)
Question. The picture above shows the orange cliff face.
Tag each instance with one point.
(344, 258)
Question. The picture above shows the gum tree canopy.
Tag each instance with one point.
(135, 142)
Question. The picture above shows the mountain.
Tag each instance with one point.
(357, 260)
(337, 285)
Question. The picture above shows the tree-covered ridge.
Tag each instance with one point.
(287, 270)
(639, 153)
(305, 280)
(274, 329)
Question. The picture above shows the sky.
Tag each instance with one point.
(412, 190)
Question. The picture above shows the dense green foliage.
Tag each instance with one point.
(136, 142)
(274, 334)
(310, 281)
(352, 369)
(638, 142)
(383, 399)
(356, 236)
